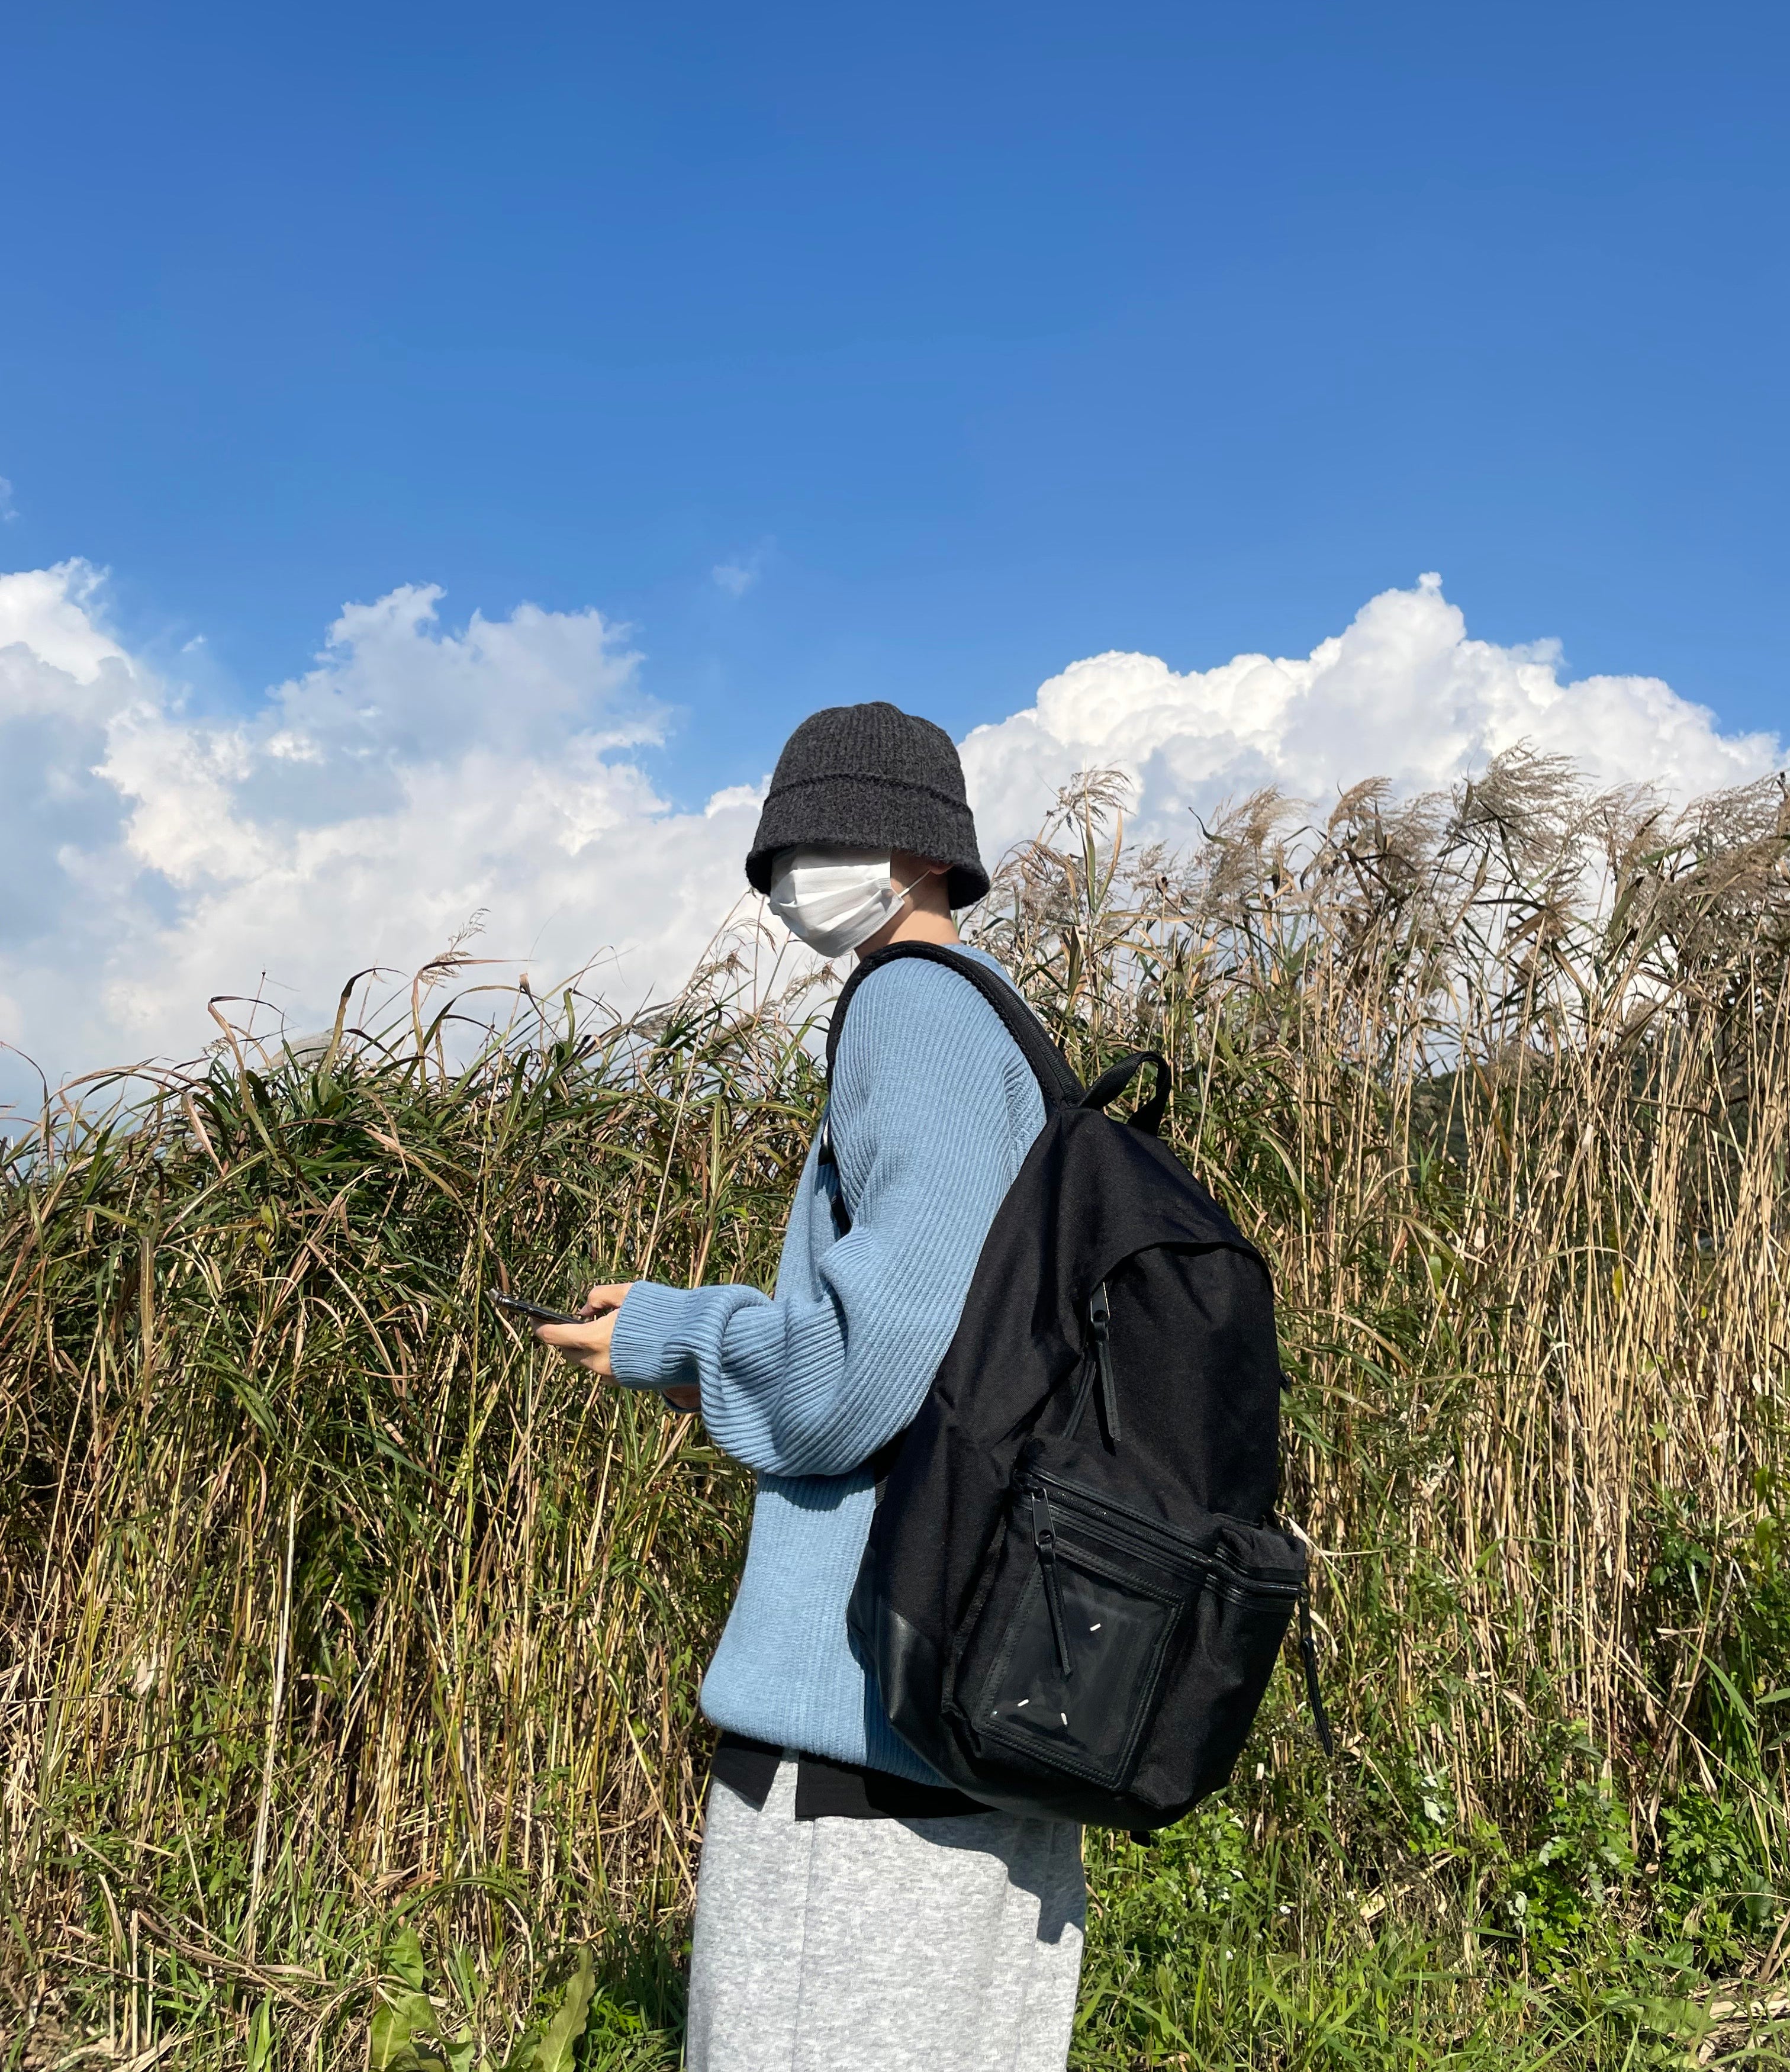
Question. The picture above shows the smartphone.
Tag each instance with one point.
(531, 1310)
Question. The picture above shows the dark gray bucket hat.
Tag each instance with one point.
(871, 777)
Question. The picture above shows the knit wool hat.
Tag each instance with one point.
(871, 777)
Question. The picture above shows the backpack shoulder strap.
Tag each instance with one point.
(1057, 1081)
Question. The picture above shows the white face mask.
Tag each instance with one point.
(834, 898)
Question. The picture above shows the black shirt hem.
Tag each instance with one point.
(826, 1791)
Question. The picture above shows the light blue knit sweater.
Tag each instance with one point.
(933, 1110)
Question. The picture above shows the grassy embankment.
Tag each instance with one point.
(344, 1639)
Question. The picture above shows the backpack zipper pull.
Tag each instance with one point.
(1100, 1318)
(1308, 1655)
(1044, 1538)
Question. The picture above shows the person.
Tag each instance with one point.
(851, 1910)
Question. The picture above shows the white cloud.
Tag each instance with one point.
(152, 857)
(9, 510)
(1402, 693)
(740, 573)
(735, 578)
(412, 779)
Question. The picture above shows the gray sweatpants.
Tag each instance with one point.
(941, 1945)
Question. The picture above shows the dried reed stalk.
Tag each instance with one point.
(1500, 1080)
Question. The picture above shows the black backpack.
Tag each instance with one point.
(1075, 1587)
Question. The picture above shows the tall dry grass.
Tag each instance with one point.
(321, 1589)
(328, 1607)
(1500, 1081)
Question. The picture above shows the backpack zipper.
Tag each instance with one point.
(1100, 1317)
(1118, 1520)
(1044, 1538)
(1144, 1536)
(1185, 1562)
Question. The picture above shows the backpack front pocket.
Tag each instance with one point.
(1091, 1607)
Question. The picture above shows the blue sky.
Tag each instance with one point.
(981, 339)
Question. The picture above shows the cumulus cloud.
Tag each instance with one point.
(413, 779)
(1403, 693)
(153, 856)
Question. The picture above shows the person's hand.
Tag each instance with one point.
(586, 1343)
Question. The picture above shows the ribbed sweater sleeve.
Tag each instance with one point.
(928, 1093)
